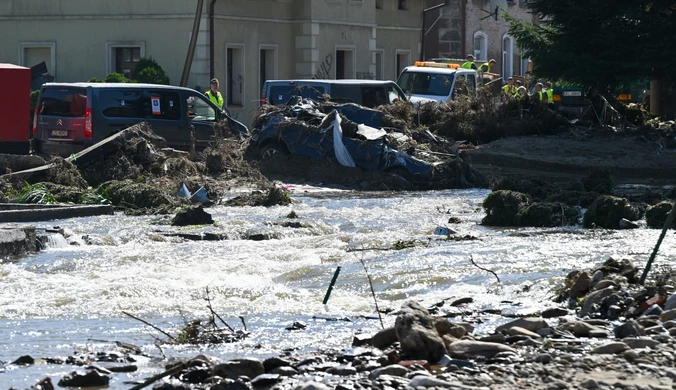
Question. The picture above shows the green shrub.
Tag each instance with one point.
(118, 78)
(149, 71)
(503, 206)
(607, 211)
(95, 80)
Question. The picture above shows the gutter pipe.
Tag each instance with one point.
(193, 43)
(211, 39)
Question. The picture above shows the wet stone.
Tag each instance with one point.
(554, 312)
(284, 371)
(265, 380)
(270, 364)
(24, 361)
(342, 370)
(88, 379)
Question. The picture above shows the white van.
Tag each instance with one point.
(437, 82)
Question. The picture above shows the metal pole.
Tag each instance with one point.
(333, 281)
(667, 225)
(193, 43)
(423, 32)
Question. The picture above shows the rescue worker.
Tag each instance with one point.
(509, 88)
(521, 92)
(550, 94)
(538, 94)
(469, 64)
(488, 66)
(214, 95)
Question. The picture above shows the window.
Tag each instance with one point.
(34, 53)
(199, 109)
(379, 4)
(480, 46)
(403, 60)
(401, 4)
(267, 64)
(138, 103)
(122, 57)
(471, 83)
(234, 77)
(507, 56)
(380, 74)
(282, 94)
(426, 83)
(69, 102)
(524, 66)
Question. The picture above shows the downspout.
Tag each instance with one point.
(463, 12)
(193, 43)
(211, 39)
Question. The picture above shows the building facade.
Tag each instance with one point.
(473, 27)
(240, 42)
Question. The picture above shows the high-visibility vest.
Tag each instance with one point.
(509, 89)
(539, 95)
(550, 95)
(467, 65)
(216, 99)
(486, 67)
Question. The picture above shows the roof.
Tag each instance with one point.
(12, 66)
(117, 85)
(324, 81)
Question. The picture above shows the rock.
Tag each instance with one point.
(611, 348)
(589, 384)
(502, 207)
(653, 330)
(469, 349)
(444, 327)
(656, 216)
(607, 211)
(669, 324)
(494, 338)
(469, 328)
(424, 381)
(342, 370)
(547, 214)
(233, 369)
(597, 276)
(519, 331)
(672, 332)
(627, 224)
(125, 368)
(530, 323)
(24, 361)
(194, 215)
(194, 375)
(393, 370)
(88, 379)
(462, 301)
(668, 315)
(416, 333)
(286, 371)
(670, 303)
(384, 338)
(270, 364)
(592, 302)
(554, 312)
(581, 286)
(654, 310)
(543, 358)
(604, 283)
(579, 328)
(266, 380)
(630, 328)
(312, 386)
(640, 343)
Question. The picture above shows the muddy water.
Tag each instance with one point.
(70, 298)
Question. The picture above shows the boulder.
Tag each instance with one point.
(417, 335)
(233, 369)
(392, 370)
(503, 206)
(384, 338)
(90, 378)
(519, 331)
(574, 198)
(470, 349)
(580, 286)
(424, 381)
(670, 303)
(192, 216)
(554, 312)
(593, 301)
(444, 327)
(270, 364)
(640, 343)
(656, 216)
(607, 211)
(611, 348)
(546, 214)
(530, 323)
(631, 328)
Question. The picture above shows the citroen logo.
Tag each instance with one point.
(59, 122)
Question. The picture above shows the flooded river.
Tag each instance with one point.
(71, 298)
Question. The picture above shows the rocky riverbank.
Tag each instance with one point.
(606, 332)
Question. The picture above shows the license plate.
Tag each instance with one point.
(59, 133)
(572, 93)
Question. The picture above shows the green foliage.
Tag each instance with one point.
(503, 206)
(95, 196)
(95, 80)
(607, 211)
(36, 194)
(149, 71)
(599, 43)
(117, 78)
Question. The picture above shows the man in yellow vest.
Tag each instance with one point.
(509, 88)
(469, 64)
(538, 96)
(550, 94)
(487, 67)
(214, 95)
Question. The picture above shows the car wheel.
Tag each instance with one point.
(271, 151)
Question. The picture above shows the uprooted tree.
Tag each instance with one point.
(602, 43)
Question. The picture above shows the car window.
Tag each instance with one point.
(70, 102)
(471, 82)
(199, 109)
(426, 83)
(280, 94)
(374, 95)
(394, 95)
(138, 103)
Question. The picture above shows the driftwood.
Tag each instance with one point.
(150, 325)
(153, 379)
(483, 269)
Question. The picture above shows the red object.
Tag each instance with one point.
(15, 108)
(657, 299)
(409, 363)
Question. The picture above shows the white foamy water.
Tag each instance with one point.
(69, 298)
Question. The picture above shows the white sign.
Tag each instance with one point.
(155, 100)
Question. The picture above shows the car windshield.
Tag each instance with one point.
(419, 83)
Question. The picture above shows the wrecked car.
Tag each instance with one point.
(349, 134)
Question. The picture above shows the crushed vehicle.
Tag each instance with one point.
(350, 135)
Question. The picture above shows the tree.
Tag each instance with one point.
(147, 70)
(599, 43)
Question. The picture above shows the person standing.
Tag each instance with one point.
(487, 67)
(469, 64)
(550, 94)
(214, 95)
(538, 95)
(509, 88)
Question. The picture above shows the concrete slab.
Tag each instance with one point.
(41, 213)
(17, 240)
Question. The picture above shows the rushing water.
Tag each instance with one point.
(71, 298)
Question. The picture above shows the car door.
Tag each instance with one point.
(201, 115)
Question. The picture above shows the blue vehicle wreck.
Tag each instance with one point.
(346, 134)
